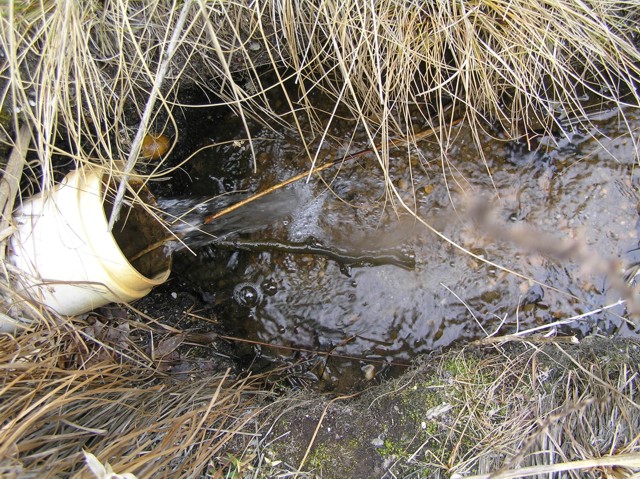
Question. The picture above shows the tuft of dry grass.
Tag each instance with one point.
(527, 66)
(542, 407)
(62, 395)
(91, 78)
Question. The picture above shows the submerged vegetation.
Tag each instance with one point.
(88, 81)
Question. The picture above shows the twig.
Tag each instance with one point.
(206, 339)
(148, 110)
(211, 218)
(394, 257)
(572, 319)
(315, 432)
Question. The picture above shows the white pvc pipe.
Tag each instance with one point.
(71, 262)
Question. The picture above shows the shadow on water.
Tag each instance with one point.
(563, 217)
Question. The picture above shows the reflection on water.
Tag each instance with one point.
(561, 218)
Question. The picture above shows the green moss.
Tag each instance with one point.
(320, 457)
(419, 399)
(460, 365)
(391, 448)
(334, 460)
(432, 428)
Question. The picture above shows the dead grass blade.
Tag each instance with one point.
(50, 414)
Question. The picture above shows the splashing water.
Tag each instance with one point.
(187, 216)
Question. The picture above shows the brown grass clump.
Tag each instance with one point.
(63, 394)
(92, 78)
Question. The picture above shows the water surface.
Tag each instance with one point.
(562, 217)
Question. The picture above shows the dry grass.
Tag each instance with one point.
(62, 393)
(550, 408)
(395, 66)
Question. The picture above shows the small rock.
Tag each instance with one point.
(438, 410)
(369, 372)
(377, 442)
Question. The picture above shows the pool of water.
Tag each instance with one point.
(551, 231)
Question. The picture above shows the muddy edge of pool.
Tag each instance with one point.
(456, 407)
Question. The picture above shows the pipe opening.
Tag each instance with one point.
(135, 230)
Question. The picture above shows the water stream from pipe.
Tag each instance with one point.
(563, 216)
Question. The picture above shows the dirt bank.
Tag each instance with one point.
(467, 411)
